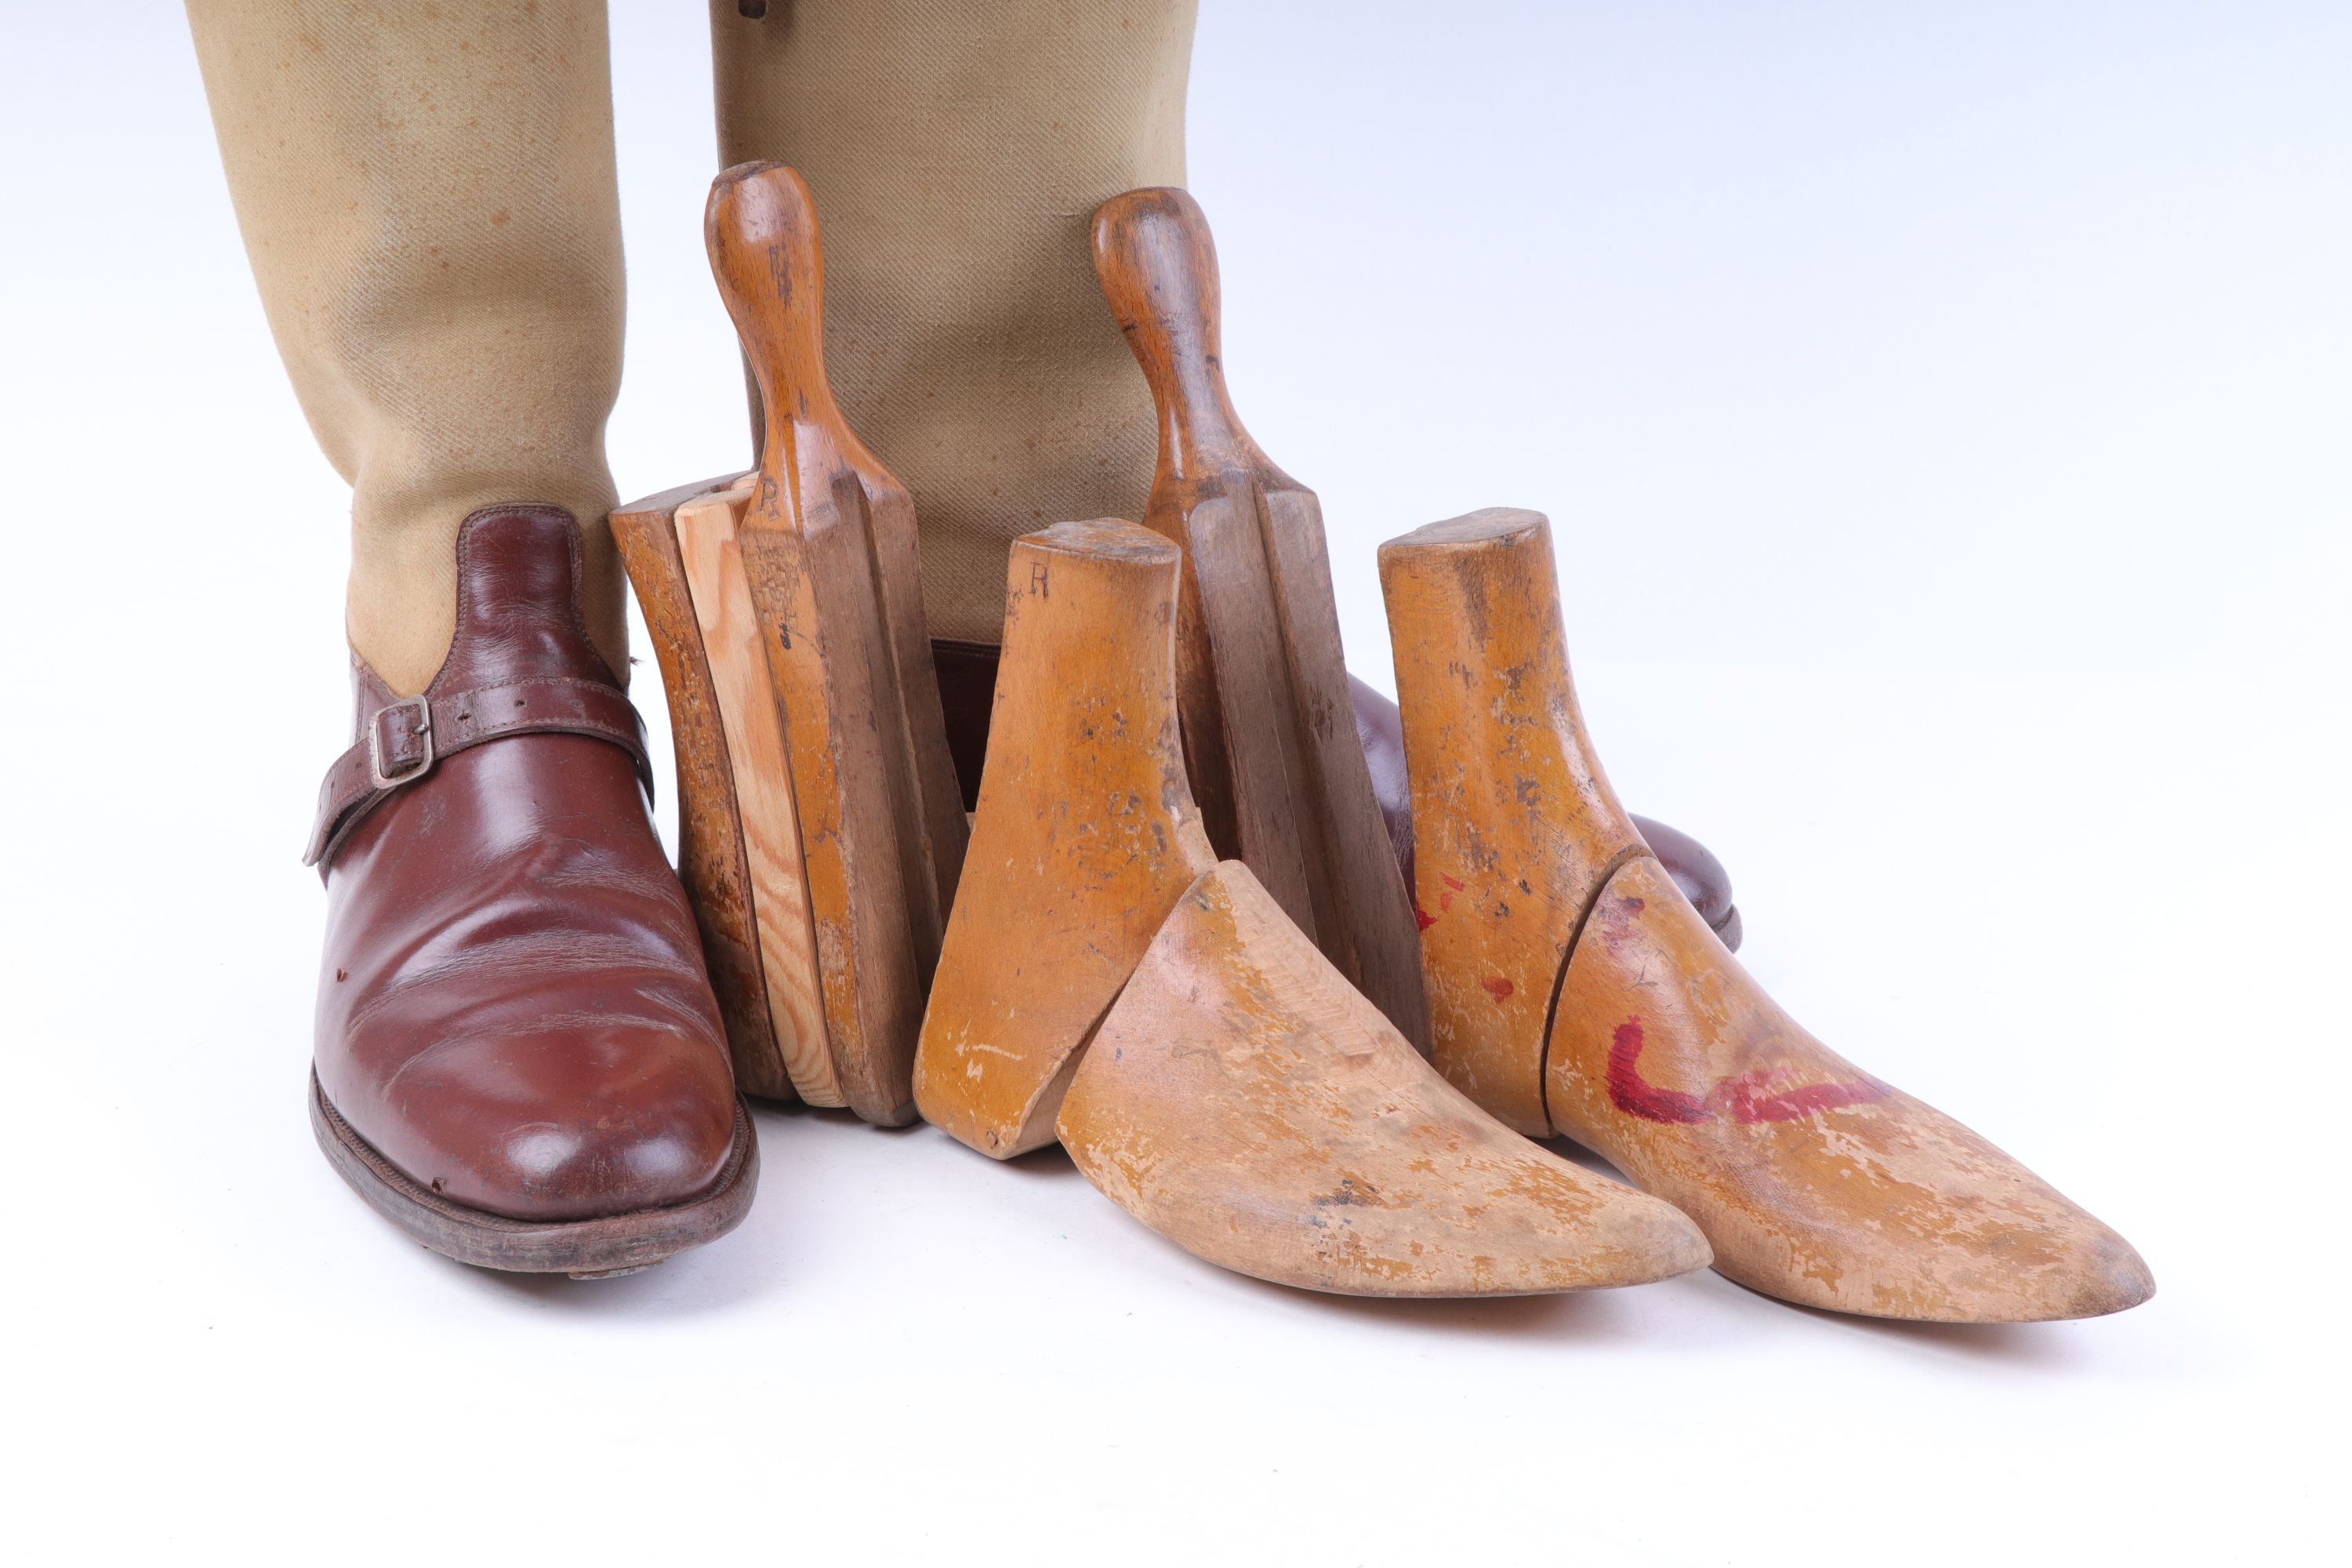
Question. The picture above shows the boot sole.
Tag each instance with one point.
(583, 1248)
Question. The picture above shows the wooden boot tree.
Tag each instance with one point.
(1575, 991)
(1106, 981)
(823, 833)
(1268, 729)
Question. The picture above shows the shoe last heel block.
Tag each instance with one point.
(1084, 838)
(1106, 981)
(1574, 990)
(823, 833)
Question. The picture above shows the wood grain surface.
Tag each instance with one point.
(760, 765)
(710, 855)
(1269, 734)
(1085, 837)
(1244, 1101)
(810, 572)
(1515, 826)
(824, 541)
(1814, 1181)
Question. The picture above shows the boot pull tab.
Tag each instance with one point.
(1158, 268)
(761, 232)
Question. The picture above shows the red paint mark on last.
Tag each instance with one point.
(1445, 900)
(1615, 917)
(1425, 917)
(1747, 1099)
(1497, 987)
(1750, 1099)
(1629, 1092)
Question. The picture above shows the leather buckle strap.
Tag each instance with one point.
(404, 741)
(417, 770)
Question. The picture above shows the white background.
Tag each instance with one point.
(1944, 414)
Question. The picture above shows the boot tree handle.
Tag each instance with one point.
(1158, 268)
(762, 231)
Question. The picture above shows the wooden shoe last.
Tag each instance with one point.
(1814, 1181)
(1246, 1102)
(1105, 980)
(1575, 991)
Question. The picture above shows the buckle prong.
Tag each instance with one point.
(376, 774)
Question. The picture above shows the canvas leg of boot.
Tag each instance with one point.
(1814, 1181)
(823, 831)
(1107, 982)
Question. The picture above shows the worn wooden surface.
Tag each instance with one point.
(1085, 837)
(935, 797)
(1269, 734)
(1515, 826)
(760, 765)
(1814, 1181)
(936, 826)
(835, 606)
(1244, 1101)
(710, 855)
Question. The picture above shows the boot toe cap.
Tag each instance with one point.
(559, 1126)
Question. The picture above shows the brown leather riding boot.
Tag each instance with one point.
(518, 1058)
(968, 686)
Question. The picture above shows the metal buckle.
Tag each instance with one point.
(376, 774)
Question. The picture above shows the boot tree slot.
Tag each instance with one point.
(1515, 826)
(811, 577)
(1814, 1181)
(1268, 730)
(1106, 981)
(1085, 837)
